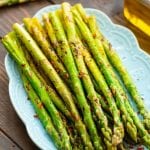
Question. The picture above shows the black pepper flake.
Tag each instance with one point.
(35, 116)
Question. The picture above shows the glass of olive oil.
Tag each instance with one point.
(138, 13)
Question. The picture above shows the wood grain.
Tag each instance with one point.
(9, 121)
(6, 143)
(12, 130)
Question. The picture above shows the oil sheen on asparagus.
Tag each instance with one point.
(69, 71)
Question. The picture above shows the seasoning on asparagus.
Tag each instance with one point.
(36, 30)
(126, 78)
(14, 48)
(76, 48)
(128, 122)
(41, 112)
(108, 74)
(143, 133)
(58, 102)
(119, 93)
(75, 138)
(69, 63)
(60, 86)
(118, 126)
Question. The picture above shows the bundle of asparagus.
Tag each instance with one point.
(67, 68)
(12, 2)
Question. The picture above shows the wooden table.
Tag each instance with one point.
(13, 134)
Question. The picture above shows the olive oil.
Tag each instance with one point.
(138, 13)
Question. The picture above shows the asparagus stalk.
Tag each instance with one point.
(52, 36)
(128, 106)
(118, 97)
(36, 30)
(87, 57)
(50, 31)
(12, 2)
(52, 93)
(110, 78)
(101, 98)
(85, 18)
(13, 46)
(41, 112)
(118, 126)
(94, 34)
(126, 78)
(94, 82)
(73, 134)
(118, 91)
(68, 61)
(77, 48)
(122, 147)
(60, 86)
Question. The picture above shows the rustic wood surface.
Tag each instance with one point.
(13, 134)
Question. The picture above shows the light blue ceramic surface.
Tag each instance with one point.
(136, 61)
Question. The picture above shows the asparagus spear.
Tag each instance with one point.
(110, 78)
(51, 34)
(76, 48)
(53, 40)
(94, 35)
(122, 147)
(50, 31)
(12, 2)
(118, 97)
(87, 57)
(94, 82)
(73, 134)
(85, 18)
(118, 126)
(128, 106)
(68, 61)
(52, 93)
(117, 89)
(36, 30)
(101, 99)
(13, 46)
(126, 78)
(60, 86)
(41, 112)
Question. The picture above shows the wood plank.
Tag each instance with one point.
(9, 121)
(10, 15)
(6, 143)
(104, 5)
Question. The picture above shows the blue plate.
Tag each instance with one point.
(136, 61)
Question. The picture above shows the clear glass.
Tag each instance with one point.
(138, 13)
